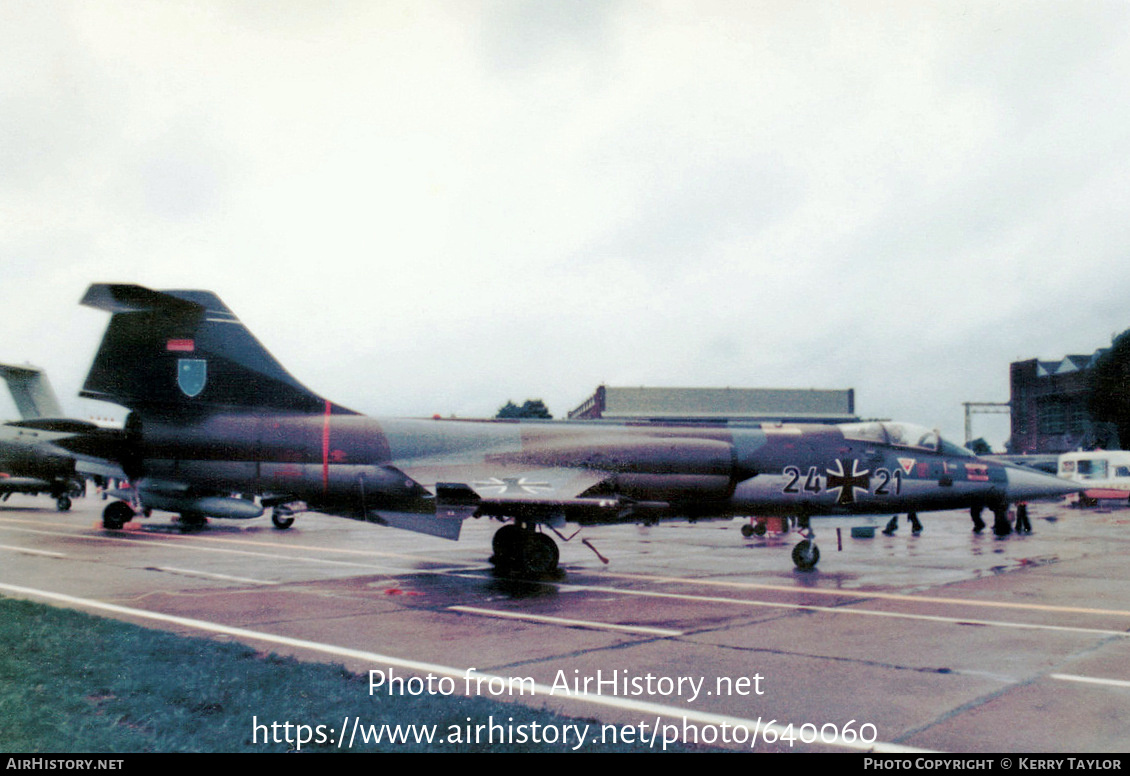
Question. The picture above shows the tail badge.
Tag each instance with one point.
(192, 374)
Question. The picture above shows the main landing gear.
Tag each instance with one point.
(116, 515)
(521, 549)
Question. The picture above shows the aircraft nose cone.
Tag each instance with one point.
(1026, 484)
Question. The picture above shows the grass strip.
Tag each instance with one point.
(75, 683)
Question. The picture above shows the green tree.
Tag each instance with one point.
(533, 408)
(979, 447)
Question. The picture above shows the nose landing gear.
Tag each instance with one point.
(806, 555)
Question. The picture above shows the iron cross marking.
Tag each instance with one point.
(848, 483)
(513, 486)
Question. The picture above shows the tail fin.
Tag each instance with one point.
(32, 392)
(184, 351)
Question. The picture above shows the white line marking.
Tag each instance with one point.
(461, 572)
(210, 575)
(1091, 680)
(850, 611)
(567, 622)
(27, 551)
(186, 541)
(185, 544)
(674, 712)
(875, 594)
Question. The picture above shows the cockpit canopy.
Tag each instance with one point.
(906, 435)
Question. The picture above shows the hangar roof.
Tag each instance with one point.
(760, 404)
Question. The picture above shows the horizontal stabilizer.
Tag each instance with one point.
(123, 298)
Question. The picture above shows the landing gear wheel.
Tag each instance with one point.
(115, 515)
(506, 541)
(539, 555)
(281, 520)
(747, 530)
(63, 503)
(806, 555)
(523, 551)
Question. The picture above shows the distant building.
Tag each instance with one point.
(1049, 406)
(718, 404)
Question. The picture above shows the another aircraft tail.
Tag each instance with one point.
(183, 351)
(32, 392)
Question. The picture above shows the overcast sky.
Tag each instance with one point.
(434, 207)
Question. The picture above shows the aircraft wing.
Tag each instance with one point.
(96, 451)
(466, 488)
(506, 483)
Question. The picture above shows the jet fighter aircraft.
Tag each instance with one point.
(30, 461)
(214, 414)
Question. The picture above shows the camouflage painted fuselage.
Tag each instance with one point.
(354, 465)
(213, 414)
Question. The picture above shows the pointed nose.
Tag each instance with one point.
(1028, 484)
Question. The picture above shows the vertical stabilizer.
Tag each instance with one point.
(185, 351)
(32, 392)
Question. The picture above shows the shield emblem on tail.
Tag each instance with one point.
(192, 374)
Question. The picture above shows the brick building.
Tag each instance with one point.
(1049, 406)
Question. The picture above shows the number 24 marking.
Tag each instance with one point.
(812, 481)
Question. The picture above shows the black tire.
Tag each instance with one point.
(539, 554)
(280, 521)
(63, 503)
(806, 555)
(506, 541)
(115, 515)
(747, 530)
